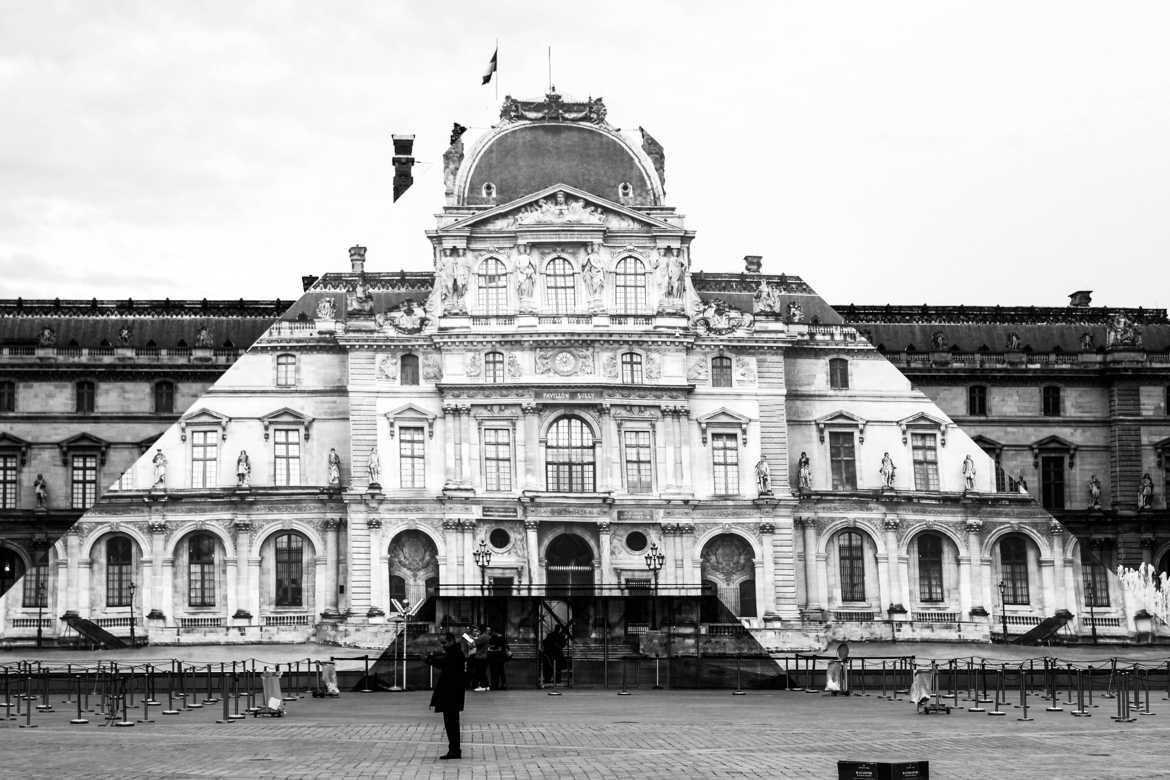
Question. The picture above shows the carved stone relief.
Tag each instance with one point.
(745, 369)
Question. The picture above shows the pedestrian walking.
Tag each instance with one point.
(448, 694)
(498, 654)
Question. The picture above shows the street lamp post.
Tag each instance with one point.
(133, 588)
(1002, 609)
(655, 558)
(483, 559)
(1091, 598)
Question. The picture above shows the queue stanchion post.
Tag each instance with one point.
(556, 673)
(7, 697)
(170, 710)
(1145, 687)
(146, 710)
(45, 705)
(954, 675)
(999, 692)
(1135, 685)
(68, 690)
(983, 682)
(1080, 711)
(80, 720)
(152, 685)
(1091, 674)
(1024, 696)
(366, 677)
(1122, 715)
(209, 696)
(236, 714)
(1050, 673)
(739, 691)
(28, 705)
(125, 722)
(1068, 684)
(974, 686)
(625, 691)
(224, 697)
(291, 695)
(657, 683)
(1111, 682)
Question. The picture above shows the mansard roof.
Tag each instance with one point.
(739, 291)
(991, 328)
(89, 323)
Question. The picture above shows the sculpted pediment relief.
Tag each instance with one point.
(560, 205)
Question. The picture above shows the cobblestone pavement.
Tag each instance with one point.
(592, 734)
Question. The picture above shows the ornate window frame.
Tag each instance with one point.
(921, 422)
(841, 420)
(633, 423)
(1053, 445)
(724, 420)
(410, 416)
(287, 418)
(296, 369)
(1162, 453)
(204, 418)
(485, 420)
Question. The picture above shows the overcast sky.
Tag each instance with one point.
(942, 152)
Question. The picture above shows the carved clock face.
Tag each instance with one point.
(565, 363)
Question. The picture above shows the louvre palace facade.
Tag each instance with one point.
(563, 414)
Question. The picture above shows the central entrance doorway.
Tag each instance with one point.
(569, 583)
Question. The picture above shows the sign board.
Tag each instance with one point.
(883, 770)
(568, 395)
(490, 512)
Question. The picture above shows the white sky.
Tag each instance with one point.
(942, 152)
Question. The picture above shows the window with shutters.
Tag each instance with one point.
(851, 557)
(925, 452)
(843, 460)
(1013, 562)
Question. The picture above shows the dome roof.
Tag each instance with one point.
(521, 158)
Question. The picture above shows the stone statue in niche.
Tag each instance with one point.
(124, 334)
(41, 491)
(453, 277)
(1094, 492)
(1146, 493)
(887, 471)
(763, 476)
(670, 271)
(1013, 342)
(48, 337)
(334, 473)
(160, 470)
(525, 279)
(1086, 342)
(803, 474)
(203, 339)
(968, 472)
(243, 470)
(593, 275)
(795, 312)
(374, 468)
(326, 309)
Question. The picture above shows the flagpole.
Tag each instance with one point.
(550, 86)
(497, 71)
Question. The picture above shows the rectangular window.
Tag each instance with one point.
(977, 401)
(288, 456)
(721, 372)
(36, 587)
(925, 461)
(725, 463)
(204, 459)
(638, 473)
(286, 370)
(1052, 482)
(7, 396)
(84, 394)
(838, 373)
(497, 459)
(1051, 401)
(84, 478)
(411, 458)
(9, 479)
(843, 460)
(493, 368)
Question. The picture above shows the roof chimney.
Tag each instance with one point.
(357, 259)
(403, 162)
(1080, 298)
(752, 263)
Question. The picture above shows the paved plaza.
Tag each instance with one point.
(593, 734)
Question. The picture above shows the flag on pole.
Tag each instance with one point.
(492, 65)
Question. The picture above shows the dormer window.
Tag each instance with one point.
(489, 190)
(625, 190)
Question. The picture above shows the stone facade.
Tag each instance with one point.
(564, 393)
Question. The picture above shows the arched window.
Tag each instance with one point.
(85, 392)
(851, 555)
(119, 571)
(629, 286)
(164, 397)
(493, 367)
(408, 369)
(1013, 563)
(290, 574)
(1095, 575)
(569, 457)
(930, 568)
(201, 571)
(721, 371)
(560, 285)
(631, 368)
(492, 280)
(286, 370)
(838, 373)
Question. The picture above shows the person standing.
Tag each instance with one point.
(497, 656)
(479, 672)
(554, 655)
(448, 694)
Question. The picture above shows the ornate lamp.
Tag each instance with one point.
(133, 588)
(655, 558)
(483, 559)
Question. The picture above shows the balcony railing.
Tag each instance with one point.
(201, 622)
(286, 620)
(31, 622)
(1018, 620)
(935, 617)
(120, 355)
(852, 616)
(114, 622)
(553, 590)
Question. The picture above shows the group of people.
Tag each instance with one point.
(474, 661)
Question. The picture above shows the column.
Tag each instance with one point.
(329, 528)
(466, 478)
(72, 556)
(470, 572)
(892, 591)
(604, 538)
(686, 551)
(535, 575)
(248, 595)
(978, 584)
(966, 582)
(767, 604)
(1060, 599)
(679, 446)
(812, 590)
(662, 450)
(532, 455)
(450, 416)
(84, 604)
(457, 425)
(614, 435)
(609, 451)
(686, 478)
(154, 595)
(450, 552)
(379, 577)
(233, 585)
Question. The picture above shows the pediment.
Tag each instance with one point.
(561, 206)
(724, 418)
(987, 444)
(83, 441)
(924, 420)
(10, 442)
(1053, 444)
(287, 417)
(203, 417)
(841, 418)
(409, 413)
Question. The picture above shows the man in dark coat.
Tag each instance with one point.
(448, 694)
